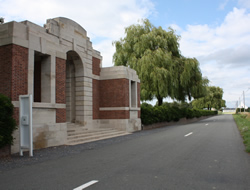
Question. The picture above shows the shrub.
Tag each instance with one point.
(189, 113)
(170, 112)
(242, 110)
(7, 123)
(147, 114)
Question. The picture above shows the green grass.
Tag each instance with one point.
(243, 123)
(225, 113)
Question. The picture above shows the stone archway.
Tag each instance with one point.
(73, 63)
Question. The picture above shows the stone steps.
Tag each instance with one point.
(79, 135)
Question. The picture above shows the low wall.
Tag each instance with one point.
(44, 135)
(128, 125)
(182, 121)
(5, 151)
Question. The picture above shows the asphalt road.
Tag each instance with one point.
(208, 154)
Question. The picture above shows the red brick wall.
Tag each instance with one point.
(19, 72)
(138, 99)
(60, 89)
(114, 93)
(60, 115)
(96, 98)
(14, 71)
(60, 80)
(118, 114)
(96, 66)
(110, 93)
(5, 69)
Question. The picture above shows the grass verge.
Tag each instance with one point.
(225, 113)
(243, 123)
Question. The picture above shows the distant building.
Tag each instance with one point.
(59, 67)
(229, 110)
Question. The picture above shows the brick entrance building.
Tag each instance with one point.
(59, 67)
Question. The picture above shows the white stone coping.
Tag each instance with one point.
(42, 105)
(118, 72)
(119, 108)
(48, 105)
(61, 36)
(135, 109)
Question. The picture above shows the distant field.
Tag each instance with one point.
(226, 112)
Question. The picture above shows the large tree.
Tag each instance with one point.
(187, 79)
(154, 53)
(213, 99)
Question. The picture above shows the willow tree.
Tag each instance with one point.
(154, 54)
(187, 79)
(213, 99)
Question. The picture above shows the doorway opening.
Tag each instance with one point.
(74, 88)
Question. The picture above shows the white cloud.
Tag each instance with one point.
(103, 20)
(176, 28)
(223, 5)
(107, 52)
(235, 57)
(205, 39)
(244, 3)
(223, 52)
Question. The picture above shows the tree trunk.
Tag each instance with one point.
(160, 101)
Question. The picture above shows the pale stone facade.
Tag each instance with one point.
(64, 74)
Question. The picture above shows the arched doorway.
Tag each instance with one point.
(73, 63)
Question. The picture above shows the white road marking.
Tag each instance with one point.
(188, 134)
(207, 124)
(86, 185)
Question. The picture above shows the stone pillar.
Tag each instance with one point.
(31, 61)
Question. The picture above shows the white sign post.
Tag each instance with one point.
(25, 123)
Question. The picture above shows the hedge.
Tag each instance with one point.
(7, 123)
(242, 110)
(167, 112)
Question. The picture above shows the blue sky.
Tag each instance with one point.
(185, 12)
(216, 32)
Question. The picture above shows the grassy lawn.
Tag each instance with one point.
(222, 113)
(228, 113)
(243, 123)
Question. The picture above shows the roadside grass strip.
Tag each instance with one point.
(243, 123)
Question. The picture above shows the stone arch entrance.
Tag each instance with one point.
(74, 69)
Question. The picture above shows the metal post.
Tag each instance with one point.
(239, 104)
(236, 105)
(244, 100)
(246, 91)
(25, 124)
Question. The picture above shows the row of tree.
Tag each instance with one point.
(212, 99)
(154, 54)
